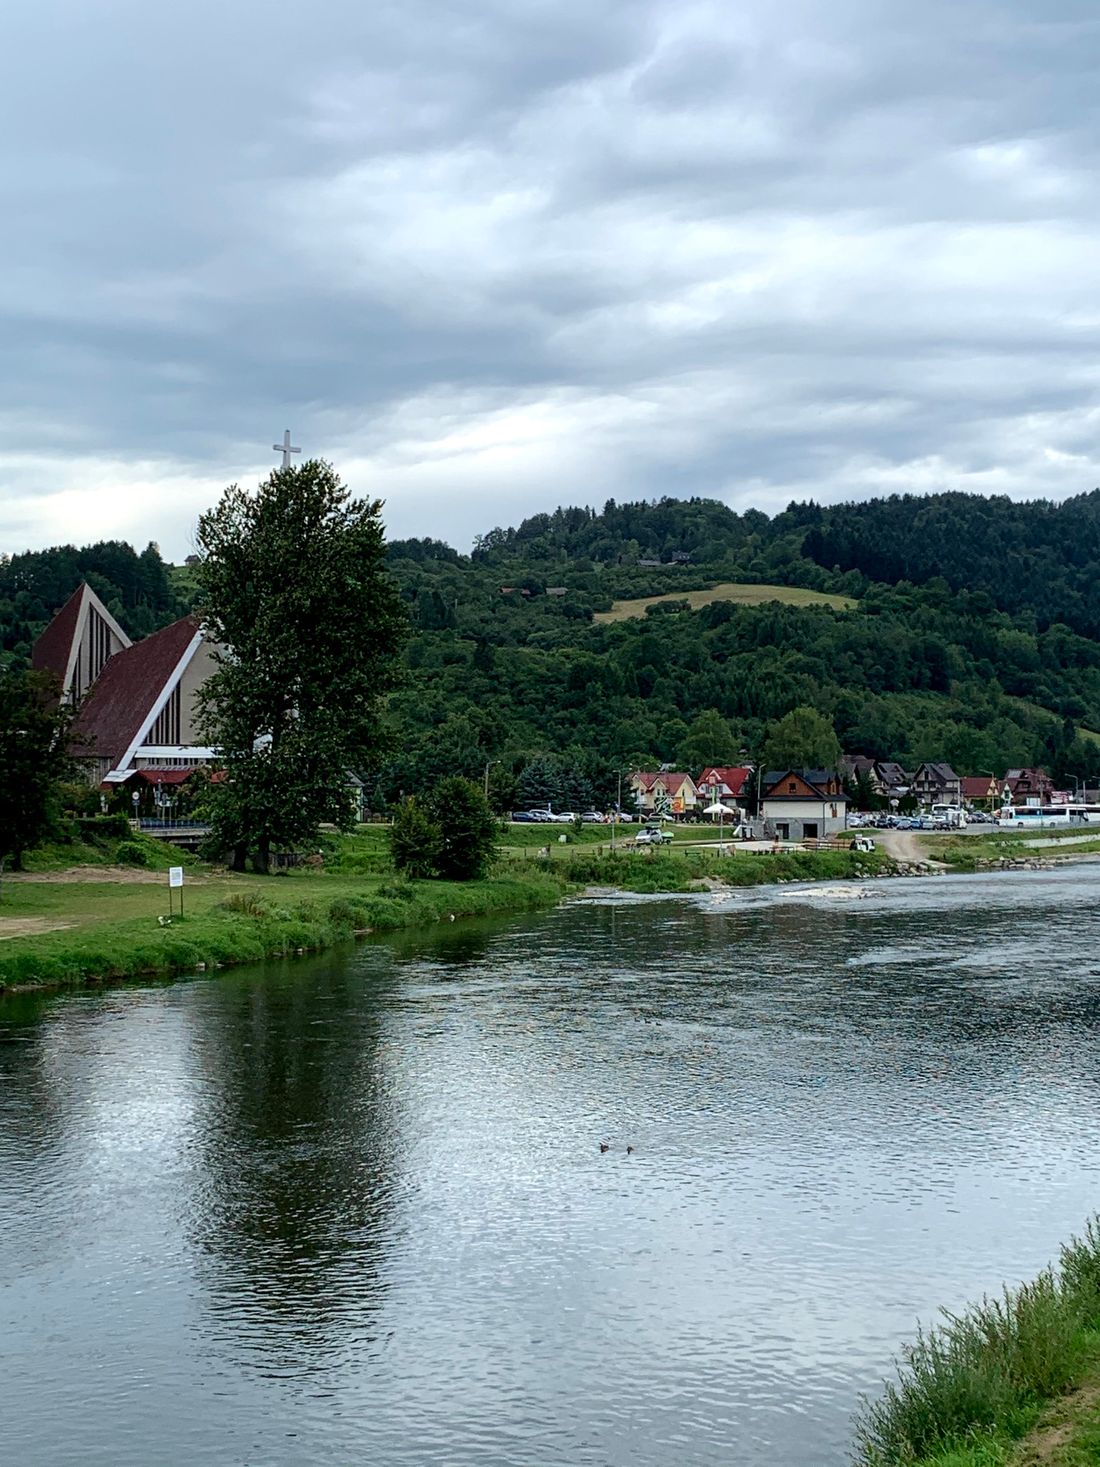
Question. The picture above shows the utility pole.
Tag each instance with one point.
(489, 764)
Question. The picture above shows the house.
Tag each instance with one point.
(664, 792)
(729, 787)
(937, 784)
(893, 778)
(1029, 786)
(861, 766)
(979, 788)
(804, 804)
(138, 711)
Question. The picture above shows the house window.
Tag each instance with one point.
(792, 788)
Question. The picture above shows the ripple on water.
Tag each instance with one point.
(357, 1207)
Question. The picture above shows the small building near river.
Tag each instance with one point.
(804, 804)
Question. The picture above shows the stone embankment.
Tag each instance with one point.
(1006, 863)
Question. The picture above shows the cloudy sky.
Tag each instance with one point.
(494, 255)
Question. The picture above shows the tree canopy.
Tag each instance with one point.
(294, 590)
(34, 758)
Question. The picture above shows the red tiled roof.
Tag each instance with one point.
(50, 652)
(672, 782)
(976, 786)
(735, 779)
(122, 696)
(165, 776)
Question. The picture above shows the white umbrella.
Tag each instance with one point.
(716, 809)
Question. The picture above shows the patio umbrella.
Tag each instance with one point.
(716, 809)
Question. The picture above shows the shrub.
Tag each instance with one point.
(416, 840)
(130, 853)
(469, 831)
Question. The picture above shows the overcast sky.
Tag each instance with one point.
(490, 256)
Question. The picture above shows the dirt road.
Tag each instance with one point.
(903, 846)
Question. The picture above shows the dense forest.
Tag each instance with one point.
(972, 637)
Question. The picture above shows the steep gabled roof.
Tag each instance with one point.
(979, 786)
(50, 652)
(817, 779)
(734, 778)
(939, 771)
(671, 781)
(57, 648)
(124, 698)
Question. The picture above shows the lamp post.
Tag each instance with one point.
(618, 806)
(489, 764)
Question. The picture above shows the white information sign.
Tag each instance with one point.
(175, 876)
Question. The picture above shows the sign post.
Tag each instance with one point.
(175, 883)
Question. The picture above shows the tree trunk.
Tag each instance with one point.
(261, 861)
(239, 853)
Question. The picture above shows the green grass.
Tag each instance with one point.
(973, 1386)
(963, 852)
(675, 871)
(740, 592)
(117, 932)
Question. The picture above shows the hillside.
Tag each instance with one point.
(536, 655)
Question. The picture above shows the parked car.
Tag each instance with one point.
(861, 843)
(592, 817)
(523, 817)
(564, 817)
(653, 835)
(542, 816)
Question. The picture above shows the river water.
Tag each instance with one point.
(355, 1210)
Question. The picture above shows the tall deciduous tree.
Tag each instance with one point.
(34, 759)
(802, 739)
(294, 591)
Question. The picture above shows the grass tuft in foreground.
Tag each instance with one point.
(973, 1386)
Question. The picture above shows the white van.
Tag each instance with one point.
(954, 816)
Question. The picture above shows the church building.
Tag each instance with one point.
(137, 713)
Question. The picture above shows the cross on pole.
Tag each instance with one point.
(285, 449)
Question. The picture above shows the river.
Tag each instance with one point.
(355, 1208)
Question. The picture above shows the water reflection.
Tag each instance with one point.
(297, 1146)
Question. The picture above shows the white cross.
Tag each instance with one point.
(285, 449)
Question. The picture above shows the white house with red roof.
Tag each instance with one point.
(664, 792)
(730, 787)
(137, 700)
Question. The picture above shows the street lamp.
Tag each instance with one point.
(489, 764)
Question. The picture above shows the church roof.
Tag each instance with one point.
(123, 698)
(51, 651)
(57, 650)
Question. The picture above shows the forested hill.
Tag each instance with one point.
(135, 588)
(1036, 558)
(971, 637)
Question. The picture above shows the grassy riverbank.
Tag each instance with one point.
(1012, 1382)
(973, 852)
(77, 917)
(74, 931)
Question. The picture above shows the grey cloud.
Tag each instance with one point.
(491, 257)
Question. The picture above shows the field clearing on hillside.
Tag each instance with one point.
(740, 592)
